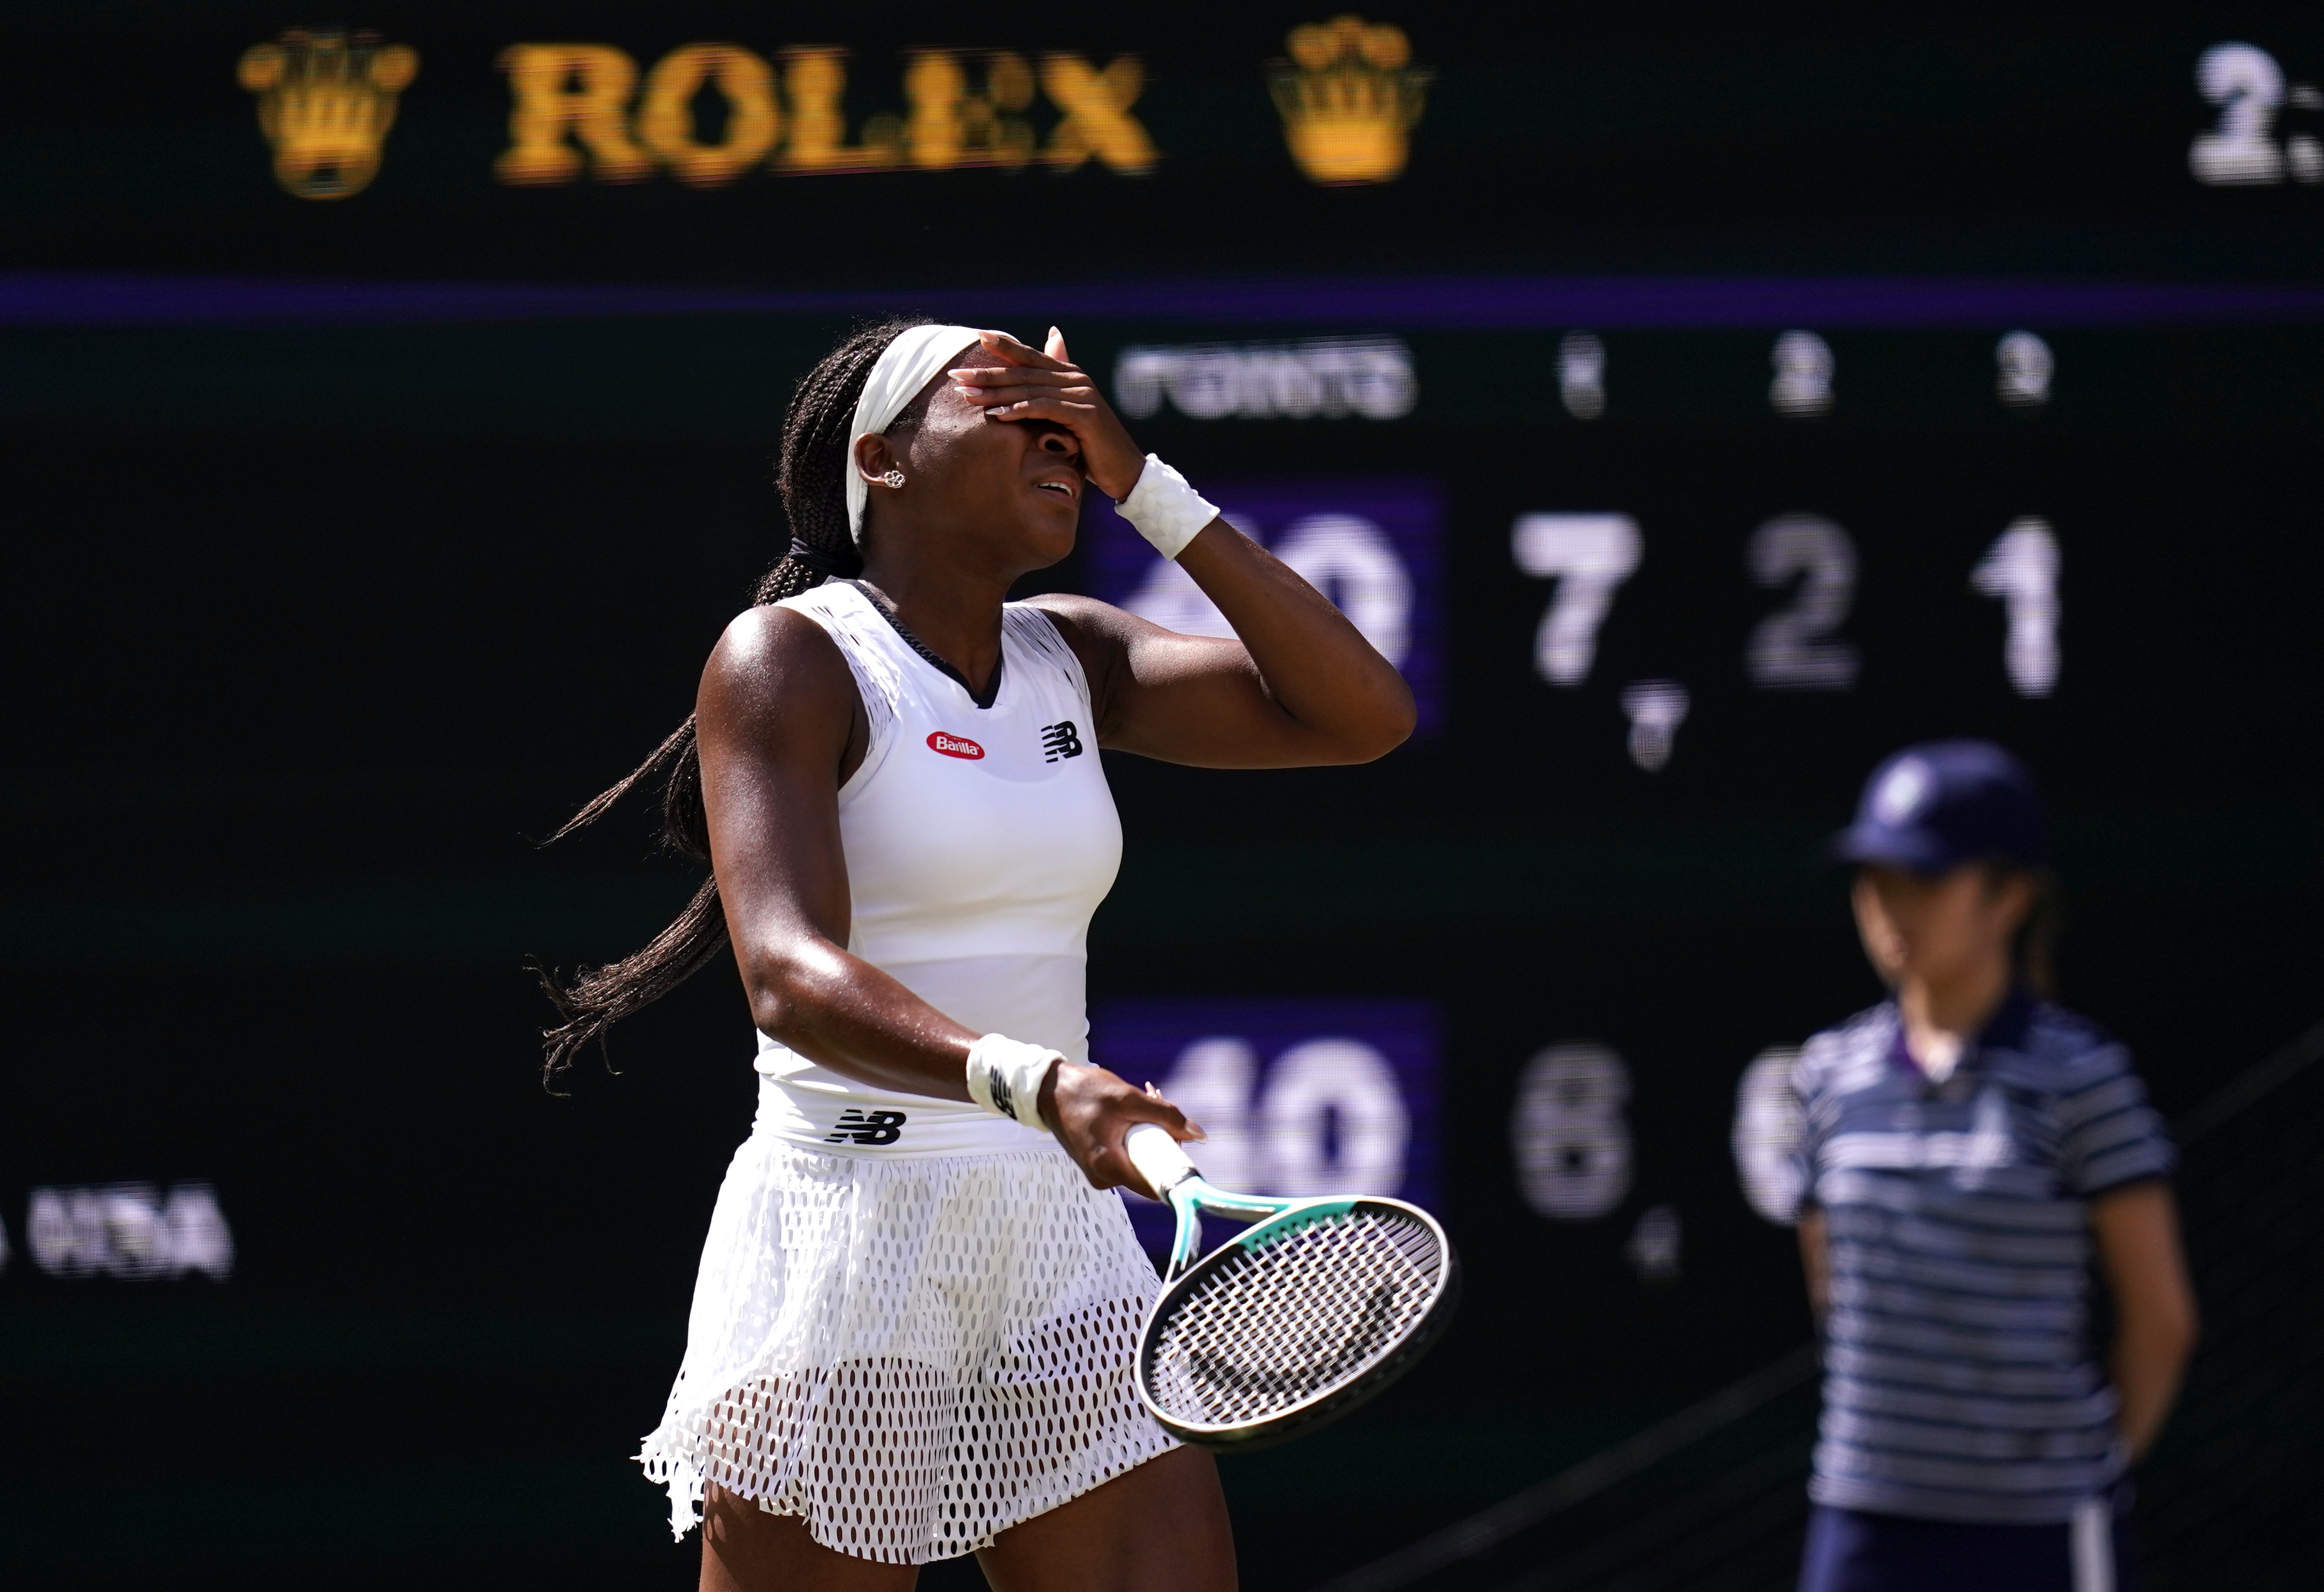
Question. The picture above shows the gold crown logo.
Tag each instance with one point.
(325, 102)
(1348, 99)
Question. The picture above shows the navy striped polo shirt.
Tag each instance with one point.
(1958, 1383)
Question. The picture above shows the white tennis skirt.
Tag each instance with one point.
(912, 1354)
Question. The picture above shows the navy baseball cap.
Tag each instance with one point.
(1933, 806)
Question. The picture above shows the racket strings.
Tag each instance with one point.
(1268, 1330)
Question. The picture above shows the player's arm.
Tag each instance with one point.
(777, 722)
(1815, 1259)
(2138, 1233)
(1298, 686)
(773, 722)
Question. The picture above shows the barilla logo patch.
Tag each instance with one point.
(955, 745)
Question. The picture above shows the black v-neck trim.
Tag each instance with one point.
(881, 605)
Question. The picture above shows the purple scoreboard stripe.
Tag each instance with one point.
(1440, 303)
(1333, 531)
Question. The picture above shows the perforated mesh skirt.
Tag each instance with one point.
(911, 1355)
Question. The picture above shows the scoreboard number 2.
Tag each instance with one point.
(2248, 87)
(1791, 650)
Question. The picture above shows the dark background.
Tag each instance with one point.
(320, 617)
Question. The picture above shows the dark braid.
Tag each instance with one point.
(811, 479)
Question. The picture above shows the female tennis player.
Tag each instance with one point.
(912, 1333)
(1967, 1144)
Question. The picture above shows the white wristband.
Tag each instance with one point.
(1165, 510)
(1005, 1075)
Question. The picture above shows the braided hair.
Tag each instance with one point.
(810, 477)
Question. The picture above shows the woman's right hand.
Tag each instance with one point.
(1090, 1110)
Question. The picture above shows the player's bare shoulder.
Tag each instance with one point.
(775, 671)
(1087, 620)
(1101, 636)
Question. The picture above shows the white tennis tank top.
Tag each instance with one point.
(978, 842)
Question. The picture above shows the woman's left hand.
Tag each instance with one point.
(1032, 385)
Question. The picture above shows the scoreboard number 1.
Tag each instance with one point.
(2021, 569)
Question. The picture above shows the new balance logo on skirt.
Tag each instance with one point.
(872, 1128)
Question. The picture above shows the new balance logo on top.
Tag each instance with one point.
(1060, 740)
(872, 1128)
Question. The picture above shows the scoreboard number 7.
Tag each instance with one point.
(1590, 555)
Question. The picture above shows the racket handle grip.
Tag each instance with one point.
(1156, 1156)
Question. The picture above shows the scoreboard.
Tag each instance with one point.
(1693, 411)
(910, 146)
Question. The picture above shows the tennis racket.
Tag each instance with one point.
(1293, 1322)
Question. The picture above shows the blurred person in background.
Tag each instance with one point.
(1967, 1143)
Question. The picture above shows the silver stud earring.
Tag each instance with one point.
(892, 478)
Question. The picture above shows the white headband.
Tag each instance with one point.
(904, 368)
